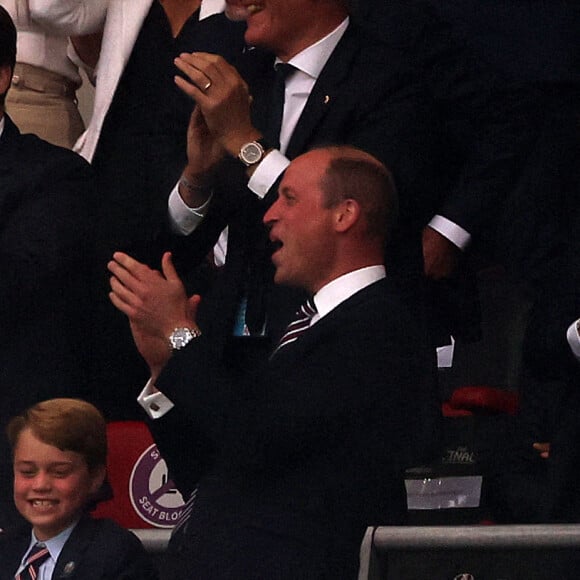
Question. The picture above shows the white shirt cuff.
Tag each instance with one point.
(267, 172)
(454, 233)
(185, 219)
(153, 401)
(573, 337)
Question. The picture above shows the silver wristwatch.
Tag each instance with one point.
(181, 337)
(251, 153)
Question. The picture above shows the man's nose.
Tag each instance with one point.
(272, 215)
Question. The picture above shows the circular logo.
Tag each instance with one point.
(153, 494)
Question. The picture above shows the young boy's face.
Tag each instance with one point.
(51, 487)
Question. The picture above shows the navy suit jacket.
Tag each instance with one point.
(96, 550)
(307, 449)
(45, 293)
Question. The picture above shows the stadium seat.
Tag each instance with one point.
(143, 495)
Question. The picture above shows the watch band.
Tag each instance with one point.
(181, 337)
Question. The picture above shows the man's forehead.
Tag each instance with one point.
(315, 160)
(305, 172)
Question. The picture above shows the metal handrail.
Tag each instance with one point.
(479, 537)
(153, 540)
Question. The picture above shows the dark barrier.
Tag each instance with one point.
(522, 552)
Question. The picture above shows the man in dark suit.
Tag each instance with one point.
(294, 458)
(410, 98)
(45, 201)
(552, 364)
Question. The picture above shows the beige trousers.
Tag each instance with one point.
(44, 103)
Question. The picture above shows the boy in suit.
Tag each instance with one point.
(60, 449)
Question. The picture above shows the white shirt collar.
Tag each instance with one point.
(342, 288)
(211, 7)
(313, 58)
(1, 125)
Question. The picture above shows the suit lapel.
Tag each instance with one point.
(325, 95)
(331, 324)
(257, 69)
(128, 26)
(12, 548)
(9, 145)
(73, 553)
(123, 24)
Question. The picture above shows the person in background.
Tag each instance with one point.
(43, 97)
(46, 296)
(136, 143)
(60, 456)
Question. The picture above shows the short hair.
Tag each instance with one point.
(69, 424)
(7, 43)
(7, 39)
(354, 174)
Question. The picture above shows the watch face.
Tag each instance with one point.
(251, 153)
(180, 337)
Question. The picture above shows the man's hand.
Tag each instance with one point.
(155, 303)
(154, 350)
(440, 255)
(203, 155)
(222, 95)
(543, 449)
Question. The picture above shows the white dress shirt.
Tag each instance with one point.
(309, 64)
(156, 404)
(43, 33)
(573, 336)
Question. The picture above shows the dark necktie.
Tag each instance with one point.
(298, 326)
(37, 556)
(283, 71)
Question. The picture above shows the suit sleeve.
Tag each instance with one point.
(44, 232)
(487, 123)
(298, 406)
(135, 564)
(69, 17)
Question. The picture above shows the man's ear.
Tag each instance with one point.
(5, 78)
(347, 214)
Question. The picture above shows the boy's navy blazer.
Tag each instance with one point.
(96, 550)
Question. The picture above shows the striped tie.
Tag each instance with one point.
(185, 514)
(298, 326)
(37, 556)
